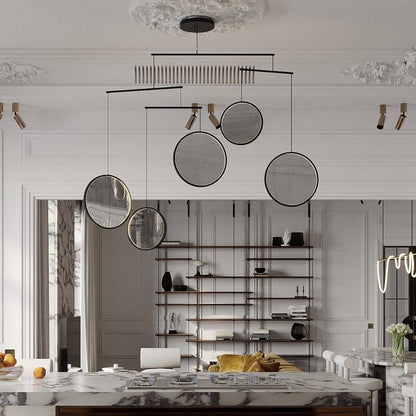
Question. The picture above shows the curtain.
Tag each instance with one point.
(42, 281)
(91, 243)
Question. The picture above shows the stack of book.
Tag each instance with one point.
(299, 312)
(259, 335)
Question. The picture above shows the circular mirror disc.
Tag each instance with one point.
(200, 159)
(107, 201)
(241, 122)
(291, 179)
(146, 228)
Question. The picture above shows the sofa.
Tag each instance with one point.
(257, 362)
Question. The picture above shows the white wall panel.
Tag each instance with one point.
(344, 269)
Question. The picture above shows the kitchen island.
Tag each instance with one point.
(81, 393)
(383, 365)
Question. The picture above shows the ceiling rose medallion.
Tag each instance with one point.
(221, 15)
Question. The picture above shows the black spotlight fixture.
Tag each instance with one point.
(192, 117)
(402, 117)
(382, 118)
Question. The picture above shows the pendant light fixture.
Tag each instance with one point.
(408, 259)
(107, 199)
(147, 226)
(199, 157)
(291, 178)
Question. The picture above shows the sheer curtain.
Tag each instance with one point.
(42, 279)
(90, 268)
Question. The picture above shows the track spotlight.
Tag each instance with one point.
(1, 110)
(402, 117)
(192, 116)
(382, 118)
(212, 117)
(17, 117)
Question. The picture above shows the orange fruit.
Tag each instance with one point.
(1, 363)
(2, 354)
(39, 372)
(9, 360)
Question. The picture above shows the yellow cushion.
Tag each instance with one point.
(214, 368)
(231, 362)
(256, 367)
(249, 360)
(269, 365)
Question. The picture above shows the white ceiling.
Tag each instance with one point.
(372, 25)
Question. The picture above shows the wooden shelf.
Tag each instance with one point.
(187, 356)
(289, 298)
(250, 340)
(230, 292)
(175, 335)
(234, 247)
(257, 276)
(247, 319)
(280, 258)
(173, 258)
(203, 304)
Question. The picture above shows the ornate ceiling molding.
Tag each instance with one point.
(386, 73)
(12, 71)
(229, 15)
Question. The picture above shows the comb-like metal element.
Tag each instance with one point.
(193, 74)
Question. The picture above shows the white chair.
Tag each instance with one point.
(409, 392)
(363, 366)
(160, 360)
(344, 365)
(29, 364)
(329, 357)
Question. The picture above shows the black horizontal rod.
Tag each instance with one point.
(172, 107)
(145, 89)
(266, 70)
(213, 54)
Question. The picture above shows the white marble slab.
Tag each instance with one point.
(58, 389)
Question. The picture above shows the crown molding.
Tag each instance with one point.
(131, 55)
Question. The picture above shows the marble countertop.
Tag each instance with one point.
(383, 357)
(109, 389)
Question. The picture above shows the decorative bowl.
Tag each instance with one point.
(11, 373)
(260, 269)
(180, 288)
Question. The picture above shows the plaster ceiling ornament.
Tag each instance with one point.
(228, 15)
(11, 71)
(386, 73)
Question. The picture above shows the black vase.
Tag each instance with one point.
(296, 239)
(298, 331)
(167, 282)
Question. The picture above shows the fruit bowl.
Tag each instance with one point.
(11, 373)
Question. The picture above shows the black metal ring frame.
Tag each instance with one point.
(164, 228)
(222, 148)
(314, 168)
(224, 114)
(86, 207)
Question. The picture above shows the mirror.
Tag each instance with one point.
(107, 201)
(146, 228)
(241, 122)
(200, 159)
(291, 179)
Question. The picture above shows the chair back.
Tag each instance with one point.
(29, 364)
(160, 358)
(329, 357)
(344, 365)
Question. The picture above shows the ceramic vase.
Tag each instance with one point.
(298, 331)
(167, 282)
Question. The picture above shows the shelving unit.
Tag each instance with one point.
(251, 300)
